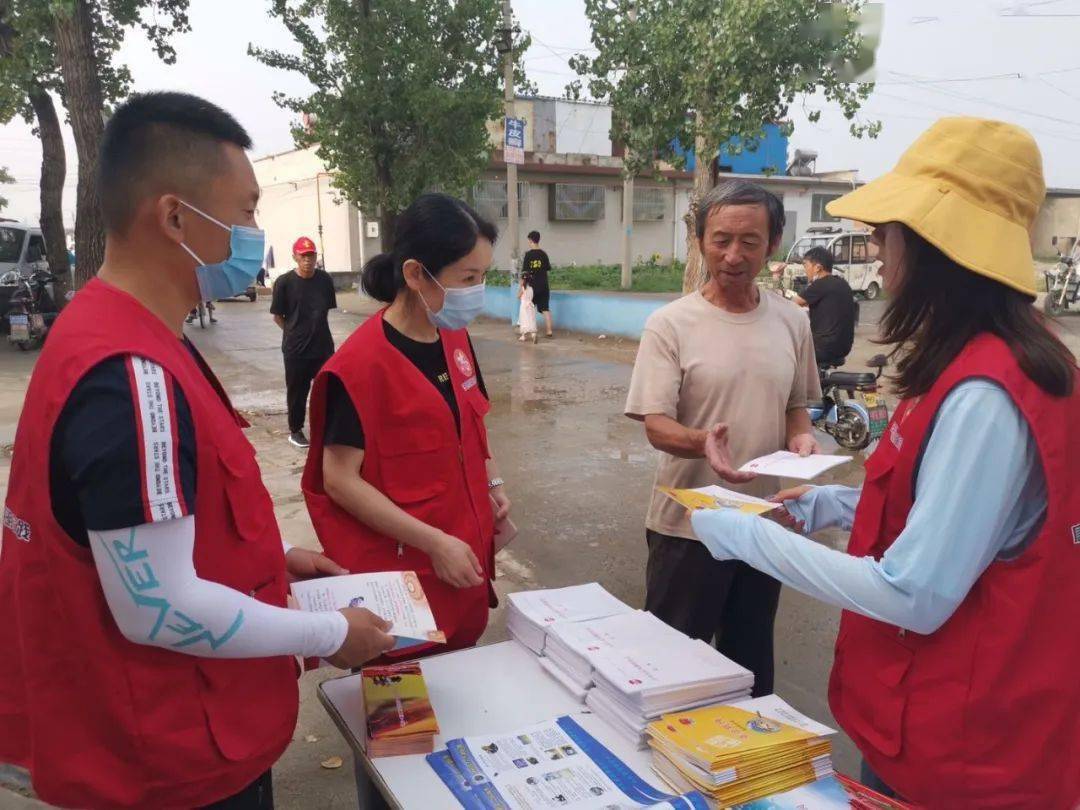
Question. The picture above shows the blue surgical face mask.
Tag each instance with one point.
(460, 306)
(238, 272)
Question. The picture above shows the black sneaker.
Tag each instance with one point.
(298, 439)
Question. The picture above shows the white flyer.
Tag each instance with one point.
(786, 464)
(396, 596)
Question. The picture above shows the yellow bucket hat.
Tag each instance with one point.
(970, 187)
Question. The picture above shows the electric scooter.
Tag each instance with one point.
(851, 411)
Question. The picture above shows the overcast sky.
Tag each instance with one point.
(1015, 61)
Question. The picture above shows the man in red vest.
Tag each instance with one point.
(148, 650)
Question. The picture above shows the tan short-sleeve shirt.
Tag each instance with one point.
(701, 365)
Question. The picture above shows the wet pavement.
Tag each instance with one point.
(578, 472)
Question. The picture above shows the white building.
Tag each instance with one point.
(570, 190)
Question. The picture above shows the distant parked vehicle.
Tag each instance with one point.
(31, 310)
(22, 248)
(851, 259)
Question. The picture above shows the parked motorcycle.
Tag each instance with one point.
(31, 310)
(851, 411)
(1062, 286)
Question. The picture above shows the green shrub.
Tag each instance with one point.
(648, 277)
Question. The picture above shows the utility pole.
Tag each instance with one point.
(511, 168)
(628, 225)
(627, 279)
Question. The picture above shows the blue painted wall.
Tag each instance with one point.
(592, 313)
(771, 153)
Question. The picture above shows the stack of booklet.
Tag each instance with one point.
(632, 668)
(532, 613)
(738, 753)
(398, 715)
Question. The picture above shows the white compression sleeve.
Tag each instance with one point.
(156, 598)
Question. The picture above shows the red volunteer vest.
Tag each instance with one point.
(985, 712)
(101, 721)
(414, 455)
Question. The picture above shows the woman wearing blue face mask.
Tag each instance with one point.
(400, 475)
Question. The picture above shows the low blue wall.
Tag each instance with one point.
(594, 313)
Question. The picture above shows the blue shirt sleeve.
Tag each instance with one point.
(822, 507)
(980, 494)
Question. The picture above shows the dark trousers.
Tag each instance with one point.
(299, 372)
(723, 602)
(259, 795)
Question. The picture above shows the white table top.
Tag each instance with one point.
(492, 689)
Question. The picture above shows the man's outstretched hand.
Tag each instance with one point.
(719, 457)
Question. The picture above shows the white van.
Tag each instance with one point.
(851, 259)
(22, 248)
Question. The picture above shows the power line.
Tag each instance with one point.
(1072, 137)
(993, 77)
(998, 104)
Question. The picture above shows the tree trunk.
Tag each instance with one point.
(83, 98)
(696, 273)
(386, 229)
(53, 171)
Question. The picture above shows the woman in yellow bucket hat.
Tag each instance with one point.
(957, 671)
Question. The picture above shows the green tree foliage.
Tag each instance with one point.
(403, 93)
(68, 48)
(698, 72)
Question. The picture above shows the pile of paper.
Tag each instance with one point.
(532, 613)
(741, 752)
(634, 668)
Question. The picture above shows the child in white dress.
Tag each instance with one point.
(526, 312)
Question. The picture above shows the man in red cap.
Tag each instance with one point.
(302, 298)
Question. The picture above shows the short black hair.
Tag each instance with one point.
(742, 192)
(534, 236)
(157, 143)
(820, 256)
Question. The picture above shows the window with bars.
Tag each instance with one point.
(575, 202)
(488, 197)
(650, 204)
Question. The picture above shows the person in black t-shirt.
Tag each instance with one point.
(832, 308)
(300, 303)
(535, 267)
(343, 426)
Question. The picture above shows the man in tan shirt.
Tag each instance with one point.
(723, 375)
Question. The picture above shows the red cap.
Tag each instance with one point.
(303, 245)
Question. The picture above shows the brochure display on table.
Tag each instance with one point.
(738, 753)
(550, 765)
(532, 613)
(509, 731)
(629, 667)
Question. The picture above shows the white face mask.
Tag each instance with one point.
(461, 305)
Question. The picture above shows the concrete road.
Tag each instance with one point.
(579, 474)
